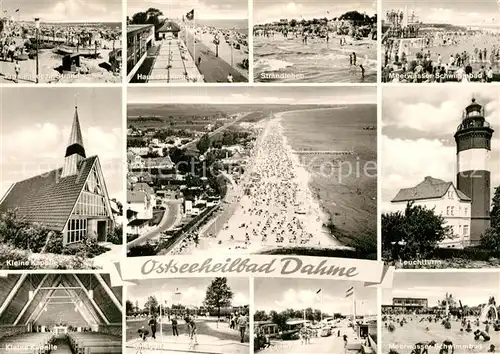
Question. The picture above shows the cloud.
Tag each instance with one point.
(22, 159)
(76, 11)
(204, 9)
(301, 299)
(270, 11)
(417, 138)
(450, 16)
(405, 163)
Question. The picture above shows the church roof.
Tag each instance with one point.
(105, 306)
(47, 199)
(430, 188)
(76, 132)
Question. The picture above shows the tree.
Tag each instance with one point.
(129, 307)
(495, 210)
(151, 305)
(260, 316)
(203, 144)
(279, 319)
(218, 295)
(412, 234)
(491, 238)
(150, 16)
(139, 18)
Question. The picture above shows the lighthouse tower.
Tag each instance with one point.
(473, 140)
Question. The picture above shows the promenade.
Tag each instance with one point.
(173, 64)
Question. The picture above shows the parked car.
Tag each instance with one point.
(325, 332)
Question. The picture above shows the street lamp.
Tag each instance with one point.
(37, 27)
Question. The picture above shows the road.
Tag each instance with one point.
(192, 144)
(331, 344)
(170, 217)
(210, 339)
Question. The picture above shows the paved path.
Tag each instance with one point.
(172, 63)
(210, 341)
(214, 69)
(170, 218)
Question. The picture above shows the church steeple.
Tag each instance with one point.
(75, 152)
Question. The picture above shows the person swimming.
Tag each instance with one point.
(446, 346)
(423, 347)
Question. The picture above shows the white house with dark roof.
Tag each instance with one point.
(72, 200)
(447, 201)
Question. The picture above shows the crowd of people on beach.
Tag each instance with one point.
(19, 41)
(272, 205)
(275, 200)
(427, 63)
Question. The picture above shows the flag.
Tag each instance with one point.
(190, 15)
(349, 292)
(317, 292)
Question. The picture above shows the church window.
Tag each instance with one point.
(77, 230)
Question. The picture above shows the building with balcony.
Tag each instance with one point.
(140, 38)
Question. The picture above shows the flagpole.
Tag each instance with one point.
(321, 310)
(354, 304)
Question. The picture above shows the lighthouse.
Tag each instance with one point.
(473, 140)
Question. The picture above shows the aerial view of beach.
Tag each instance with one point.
(225, 172)
(315, 41)
(174, 42)
(442, 41)
(54, 42)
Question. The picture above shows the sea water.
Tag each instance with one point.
(347, 197)
(316, 61)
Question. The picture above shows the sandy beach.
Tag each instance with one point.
(54, 43)
(272, 207)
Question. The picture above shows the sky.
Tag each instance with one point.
(455, 12)
(190, 291)
(64, 10)
(203, 9)
(35, 126)
(255, 95)
(265, 11)
(280, 294)
(469, 288)
(420, 123)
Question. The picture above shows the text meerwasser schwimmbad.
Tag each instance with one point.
(285, 266)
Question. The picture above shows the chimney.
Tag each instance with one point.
(75, 152)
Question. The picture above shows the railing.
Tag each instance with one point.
(473, 124)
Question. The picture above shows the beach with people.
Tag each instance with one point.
(97, 46)
(317, 50)
(286, 201)
(290, 59)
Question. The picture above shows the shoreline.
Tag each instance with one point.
(277, 208)
(301, 170)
